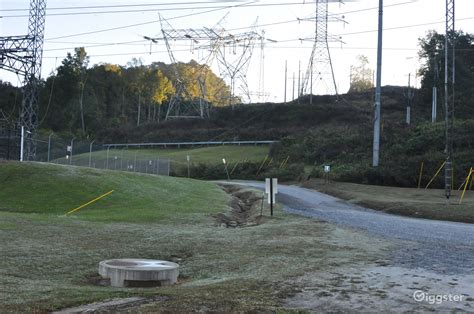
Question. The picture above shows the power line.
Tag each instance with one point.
(160, 9)
(126, 5)
(130, 43)
(147, 23)
(266, 47)
(402, 27)
(248, 4)
(385, 29)
(135, 43)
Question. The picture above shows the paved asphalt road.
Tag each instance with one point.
(439, 246)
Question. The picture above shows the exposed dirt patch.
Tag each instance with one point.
(97, 280)
(369, 288)
(246, 206)
(112, 306)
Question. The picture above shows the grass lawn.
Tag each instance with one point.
(53, 189)
(422, 203)
(207, 155)
(50, 260)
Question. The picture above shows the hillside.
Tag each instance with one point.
(335, 131)
(55, 190)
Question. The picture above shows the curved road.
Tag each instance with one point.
(440, 246)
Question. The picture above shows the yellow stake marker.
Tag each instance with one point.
(462, 184)
(421, 173)
(436, 174)
(465, 186)
(286, 161)
(470, 186)
(88, 203)
(235, 166)
(264, 160)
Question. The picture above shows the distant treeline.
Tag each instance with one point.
(83, 100)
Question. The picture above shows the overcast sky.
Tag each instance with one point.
(404, 22)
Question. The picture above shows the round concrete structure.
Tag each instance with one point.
(130, 272)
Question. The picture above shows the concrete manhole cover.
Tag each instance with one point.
(131, 272)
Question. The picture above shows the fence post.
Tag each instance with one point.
(49, 146)
(121, 160)
(8, 143)
(72, 143)
(135, 163)
(90, 153)
(22, 142)
(107, 156)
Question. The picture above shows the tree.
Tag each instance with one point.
(162, 91)
(84, 100)
(361, 75)
(10, 102)
(136, 74)
(64, 111)
(432, 69)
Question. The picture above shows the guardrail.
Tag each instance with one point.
(191, 144)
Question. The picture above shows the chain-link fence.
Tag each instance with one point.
(9, 142)
(95, 155)
(53, 149)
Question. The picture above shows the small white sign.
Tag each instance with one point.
(69, 148)
(275, 188)
(327, 168)
(188, 158)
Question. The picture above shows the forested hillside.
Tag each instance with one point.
(84, 100)
(111, 103)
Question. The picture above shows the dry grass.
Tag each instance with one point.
(49, 260)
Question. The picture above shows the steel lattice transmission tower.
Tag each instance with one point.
(449, 80)
(320, 69)
(22, 55)
(232, 52)
(234, 57)
(182, 104)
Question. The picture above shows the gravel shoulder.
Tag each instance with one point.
(429, 257)
(410, 202)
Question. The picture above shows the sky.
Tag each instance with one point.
(71, 23)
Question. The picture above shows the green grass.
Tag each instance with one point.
(53, 189)
(221, 269)
(48, 259)
(207, 155)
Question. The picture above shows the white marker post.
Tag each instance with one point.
(271, 188)
(226, 170)
(22, 142)
(69, 152)
(188, 158)
(327, 169)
